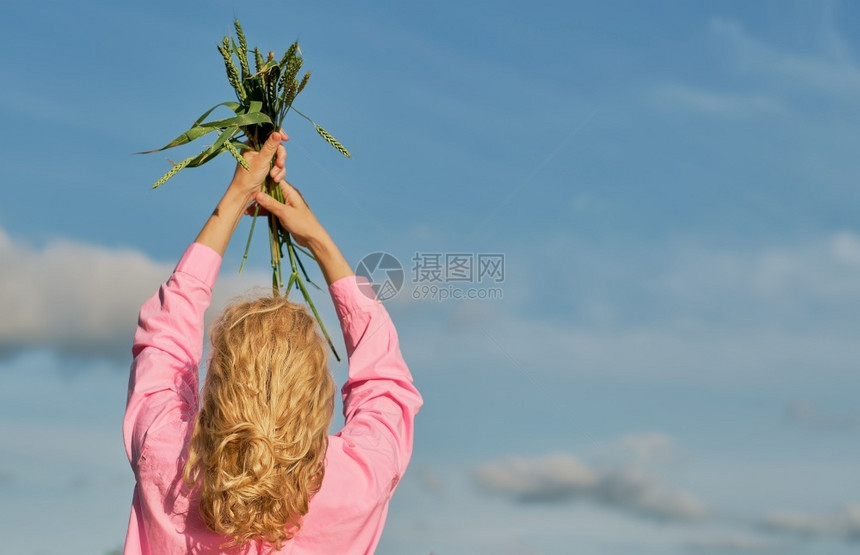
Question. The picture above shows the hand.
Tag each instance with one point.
(261, 164)
(297, 218)
(294, 214)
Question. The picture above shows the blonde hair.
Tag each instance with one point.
(258, 448)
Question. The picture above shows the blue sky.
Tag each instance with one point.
(672, 365)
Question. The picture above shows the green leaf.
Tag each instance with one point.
(239, 145)
(240, 120)
(216, 148)
(195, 132)
(235, 106)
(205, 156)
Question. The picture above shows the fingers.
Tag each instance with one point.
(277, 174)
(275, 151)
(293, 200)
(270, 147)
(281, 157)
(290, 190)
(293, 194)
(256, 208)
(269, 204)
(279, 169)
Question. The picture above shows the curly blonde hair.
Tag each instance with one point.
(257, 453)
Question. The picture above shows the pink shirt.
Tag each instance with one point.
(364, 461)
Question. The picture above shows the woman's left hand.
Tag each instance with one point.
(269, 161)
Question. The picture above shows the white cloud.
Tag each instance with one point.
(644, 493)
(728, 316)
(771, 73)
(806, 414)
(782, 277)
(81, 299)
(830, 70)
(71, 296)
(734, 543)
(562, 477)
(642, 449)
(716, 103)
(551, 478)
(844, 524)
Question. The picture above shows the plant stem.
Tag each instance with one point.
(301, 114)
(305, 251)
(250, 234)
(292, 256)
(290, 284)
(307, 297)
(305, 272)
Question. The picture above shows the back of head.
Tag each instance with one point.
(256, 456)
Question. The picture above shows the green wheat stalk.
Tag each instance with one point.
(236, 154)
(258, 60)
(332, 141)
(172, 171)
(242, 50)
(304, 82)
(232, 72)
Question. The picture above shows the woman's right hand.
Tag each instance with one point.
(297, 218)
(294, 214)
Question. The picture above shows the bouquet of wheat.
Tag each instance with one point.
(264, 97)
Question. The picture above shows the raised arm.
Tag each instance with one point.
(168, 342)
(218, 230)
(380, 401)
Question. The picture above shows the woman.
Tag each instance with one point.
(251, 468)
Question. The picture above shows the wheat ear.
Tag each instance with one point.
(232, 72)
(239, 158)
(242, 50)
(332, 141)
(172, 171)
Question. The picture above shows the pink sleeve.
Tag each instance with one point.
(167, 348)
(379, 400)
